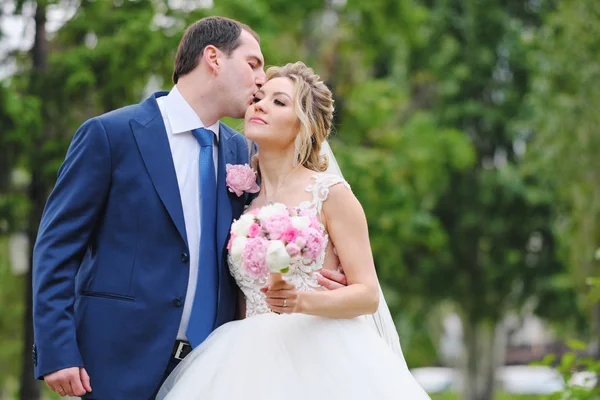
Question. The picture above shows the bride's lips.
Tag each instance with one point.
(258, 120)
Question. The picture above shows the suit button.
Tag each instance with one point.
(177, 302)
(184, 257)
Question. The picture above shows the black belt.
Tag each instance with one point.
(181, 349)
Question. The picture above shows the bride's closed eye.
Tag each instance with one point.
(277, 102)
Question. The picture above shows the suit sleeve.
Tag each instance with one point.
(69, 219)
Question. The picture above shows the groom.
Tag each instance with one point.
(129, 266)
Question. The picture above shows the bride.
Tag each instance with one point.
(298, 340)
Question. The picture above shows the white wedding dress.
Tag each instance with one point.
(268, 356)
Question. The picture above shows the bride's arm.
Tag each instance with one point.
(347, 227)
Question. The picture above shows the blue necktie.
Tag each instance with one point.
(204, 308)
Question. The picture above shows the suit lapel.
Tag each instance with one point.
(151, 138)
(224, 209)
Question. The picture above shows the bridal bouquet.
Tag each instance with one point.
(267, 241)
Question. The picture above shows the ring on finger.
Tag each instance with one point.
(285, 302)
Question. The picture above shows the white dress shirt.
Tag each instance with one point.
(179, 120)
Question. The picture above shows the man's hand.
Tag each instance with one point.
(73, 381)
(332, 279)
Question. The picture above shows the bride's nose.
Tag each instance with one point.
(260, 105)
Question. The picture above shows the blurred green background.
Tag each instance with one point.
(469, 130)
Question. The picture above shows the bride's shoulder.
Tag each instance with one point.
(326, 180)
(323, 186)
(334, 189)
(342, 206)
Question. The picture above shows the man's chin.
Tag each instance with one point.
(240, 114)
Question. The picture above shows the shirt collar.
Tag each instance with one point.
(182, 117)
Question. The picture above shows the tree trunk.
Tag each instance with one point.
(29, 386)
(485, 345)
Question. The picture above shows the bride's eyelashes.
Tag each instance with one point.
(277, 102)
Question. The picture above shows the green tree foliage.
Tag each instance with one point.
(500, 249)
(562, 110)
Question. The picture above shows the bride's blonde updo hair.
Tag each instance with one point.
(313, 103)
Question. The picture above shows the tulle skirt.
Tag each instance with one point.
(292, 357)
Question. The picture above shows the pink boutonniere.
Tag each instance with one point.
(240, 179)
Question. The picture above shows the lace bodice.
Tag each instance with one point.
(302, 271)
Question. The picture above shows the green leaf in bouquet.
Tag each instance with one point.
(285, 270)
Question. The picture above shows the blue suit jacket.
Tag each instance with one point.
(111, 264)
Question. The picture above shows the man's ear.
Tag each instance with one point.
(211, 56)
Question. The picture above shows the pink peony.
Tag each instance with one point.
(254, 257)
(276, 225)
(290, 235)
(254, 230)
(314, 243)
(240, 179)
(292, 249)
(300, 242)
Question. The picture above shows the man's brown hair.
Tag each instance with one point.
(223, 33)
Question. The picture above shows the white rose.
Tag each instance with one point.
(241, 226)
(273, 209)
(237, 249)
(277, 258)
(300, 223)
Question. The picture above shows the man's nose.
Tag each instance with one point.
(261, 78)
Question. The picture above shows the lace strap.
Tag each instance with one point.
(320, 189)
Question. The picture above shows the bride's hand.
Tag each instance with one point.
(282, 296)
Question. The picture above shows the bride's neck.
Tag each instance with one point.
(275, 169)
